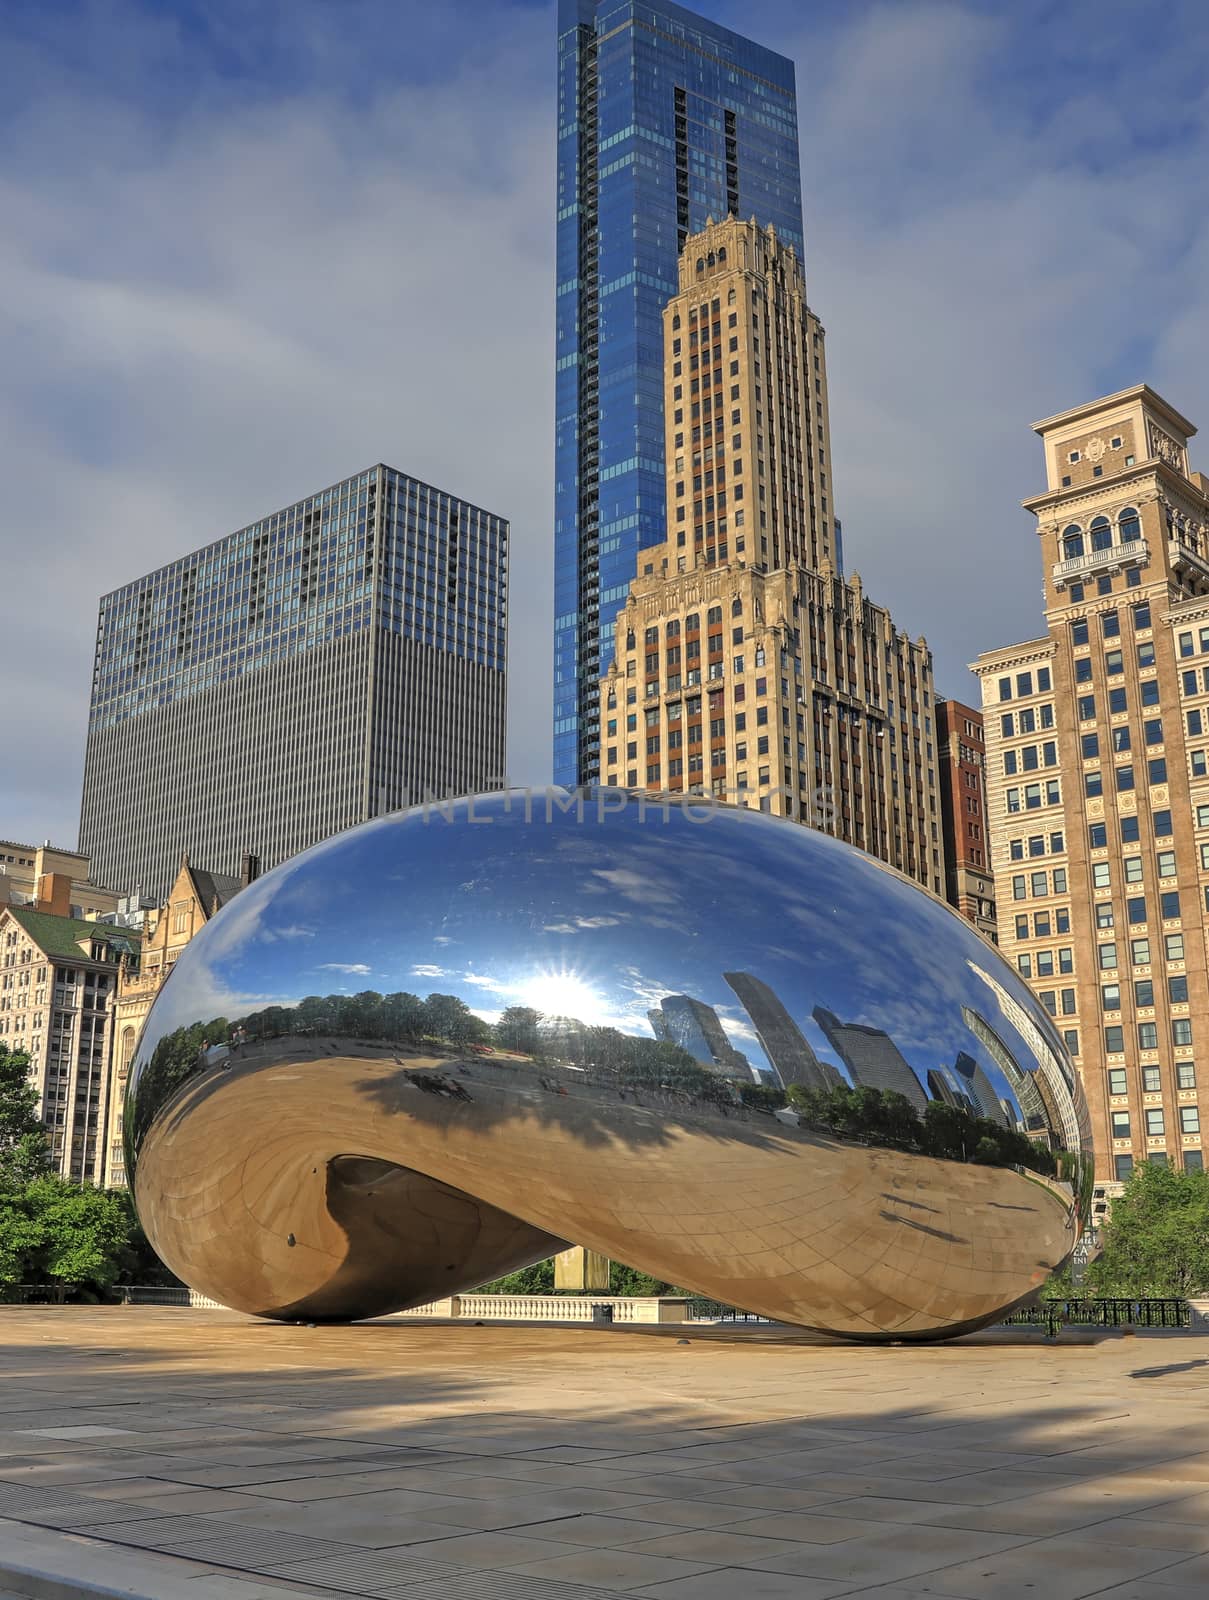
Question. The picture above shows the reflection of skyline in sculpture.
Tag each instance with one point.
(1070, 1125)
(788, 1050)
(981, 1090)
(1026, 1086)
(943, 1086)
(697, 1028)
(871, 1057)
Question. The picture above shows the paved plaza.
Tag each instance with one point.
(166, 1453)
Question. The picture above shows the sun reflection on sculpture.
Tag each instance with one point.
(561, 992)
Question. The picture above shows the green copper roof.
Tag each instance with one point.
(60, 936)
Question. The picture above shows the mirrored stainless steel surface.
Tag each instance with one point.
(718, 1046)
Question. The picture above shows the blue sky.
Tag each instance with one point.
(248, 249)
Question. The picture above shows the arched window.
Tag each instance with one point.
(1072, 541)
(1101, 533)
(700, 264)
(676, 320)
(713, 260)
(128, 1038)
(629, 640)
(722, 256)
(673, 628)
(736, 606)
(1128, 525)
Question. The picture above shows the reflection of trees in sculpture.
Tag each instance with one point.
(948, 1132)
(175, 1058)
(443, 1022)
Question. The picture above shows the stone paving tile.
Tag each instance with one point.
(515, 1443)
(889, 1557)
(734, 1583)
(1152, 1532)
(613, 1569)
(1063, 1569)
(692, 1513)
(491, 1549)
(805, 1527)
(730, 1547)
(593, 1529)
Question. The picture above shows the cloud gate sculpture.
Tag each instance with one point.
(720, 1047)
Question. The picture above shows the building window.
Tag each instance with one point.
(1122, 1167)
(1181, 1030)
(1190, 1119)
(1120, 1125)
(1117, 1083)
(1155, 1122)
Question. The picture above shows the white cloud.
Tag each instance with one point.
(357, 968)
(427, 970)
(207, 311)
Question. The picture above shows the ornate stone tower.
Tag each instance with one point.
(1097, 741)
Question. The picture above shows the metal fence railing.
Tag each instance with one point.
(1119, 1313)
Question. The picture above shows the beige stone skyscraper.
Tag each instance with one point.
(747, 665)
(1097, 760)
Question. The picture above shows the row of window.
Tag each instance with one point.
(1135, 905)
(1110, 623)
(1117, 740)
(1114, 663)
(1028, 719)
(1036, 884)
(1156, 1122)
(1024, 684)
(1043, 923)
(1114, 1034)
(1129, 827)
(1143, 992)
(1101, 871)
(1139, 949)
(1099, 534)
(1036, 845)
(1034, 795)
(1040, 963)
(1124, 778)
(1133, 580)
(1185, 1078)
(1029, 757)
(1187, 646)
(1118, 700)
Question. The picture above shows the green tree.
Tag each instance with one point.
(80, 1233)
(1156, 1240)
(450, 1018)
(518, 1029)
(24, 1151)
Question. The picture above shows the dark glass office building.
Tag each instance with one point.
(664, 120)
(339, 659)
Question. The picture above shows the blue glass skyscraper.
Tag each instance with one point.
(664, 120)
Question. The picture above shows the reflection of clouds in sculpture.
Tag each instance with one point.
(838, 929)
(634, 974)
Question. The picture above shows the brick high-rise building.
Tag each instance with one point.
(1097, 739)
(969, 881)
(747, 665)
